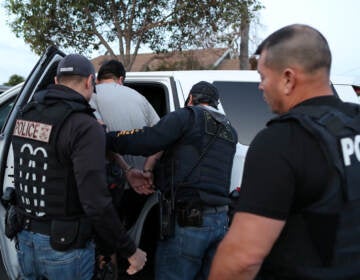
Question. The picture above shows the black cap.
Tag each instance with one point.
(112, 67)
(205, 92)
(75, 64)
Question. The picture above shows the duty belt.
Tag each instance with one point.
(215, 209)
(37, 226)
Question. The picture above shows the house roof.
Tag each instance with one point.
(185, 60)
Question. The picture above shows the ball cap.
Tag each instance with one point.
(205, 90)
(75, 64)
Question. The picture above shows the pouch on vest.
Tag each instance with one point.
(63, 234)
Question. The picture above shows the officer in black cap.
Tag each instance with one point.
(62, 197)
(203, 92)
(199, 144)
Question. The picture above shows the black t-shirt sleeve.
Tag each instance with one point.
(82, 140)
(268, 183)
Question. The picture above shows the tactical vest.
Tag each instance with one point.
(44, 185)
(202, 159)
(323, 240)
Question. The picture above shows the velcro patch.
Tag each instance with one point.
(127, 132)
(33, 130)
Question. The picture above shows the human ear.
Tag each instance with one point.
(289, 80)
(190, 102)
(89, 82)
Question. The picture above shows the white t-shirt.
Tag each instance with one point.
(123, 108)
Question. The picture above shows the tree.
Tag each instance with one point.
(14, 80)
(238, 17)
(244, 37)
(122, 27)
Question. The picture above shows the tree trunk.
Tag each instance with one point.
(244, 43)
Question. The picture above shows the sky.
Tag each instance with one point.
(336, 20)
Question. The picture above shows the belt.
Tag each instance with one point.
(215, 209)
(36, 226)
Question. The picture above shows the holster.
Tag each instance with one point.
(13, 218)
(167, 217)
(13, 222)
(189, 215)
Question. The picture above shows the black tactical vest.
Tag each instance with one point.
(44, 185)
(202, 159)
(323, 240)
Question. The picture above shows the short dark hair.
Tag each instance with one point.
(297, 43)
(111, 69)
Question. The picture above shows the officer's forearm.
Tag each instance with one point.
(119, 160)
(99, 208)
(227, 266)
(139, 144)
(151, 161)
(112, 233)
(114, 143)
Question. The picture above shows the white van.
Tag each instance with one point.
(240, 99)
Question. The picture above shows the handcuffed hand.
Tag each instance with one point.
(137, 261)
(149, 175)
(139, 181)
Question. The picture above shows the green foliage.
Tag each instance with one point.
(14, 80)
(121, 27)
(211, 23)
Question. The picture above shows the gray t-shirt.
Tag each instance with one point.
(123, 108)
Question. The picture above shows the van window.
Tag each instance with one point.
(244, 105)
(155, 93)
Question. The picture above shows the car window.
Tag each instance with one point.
(5, 109)
(244, 105)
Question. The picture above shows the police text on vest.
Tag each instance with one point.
(349, 147)
(32, 130)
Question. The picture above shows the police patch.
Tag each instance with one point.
(32, 130)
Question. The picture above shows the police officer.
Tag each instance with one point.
(199, 145)
(62, 198)
(298, 211)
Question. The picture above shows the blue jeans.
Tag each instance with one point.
(37, 259)
(188, 255)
